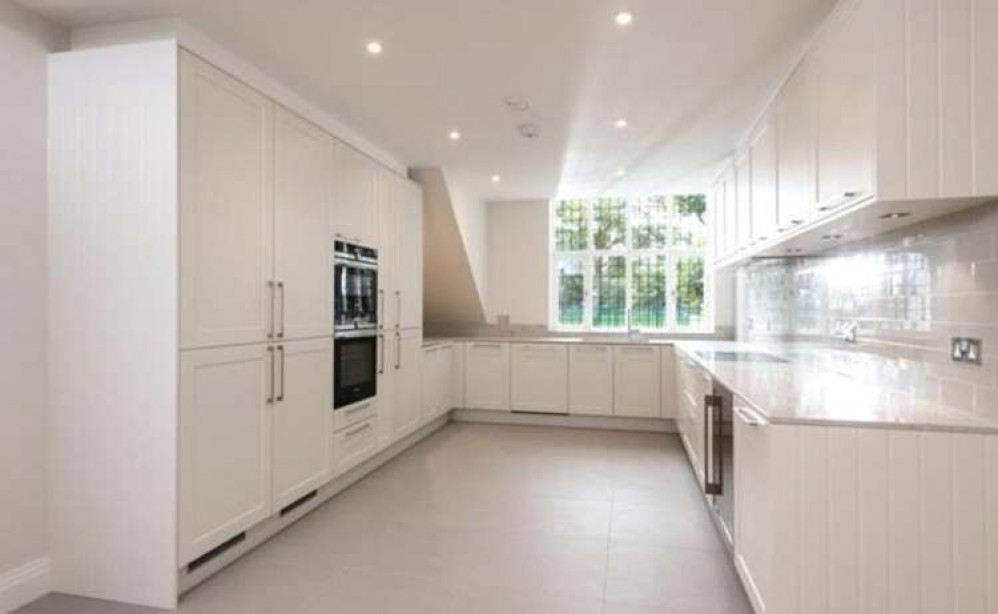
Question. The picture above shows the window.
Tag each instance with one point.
(637, 259)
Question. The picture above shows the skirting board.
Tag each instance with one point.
(275, 524)
(613, 423)
(24, 584)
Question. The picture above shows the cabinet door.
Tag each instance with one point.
(763, 185)
(846, 107)
(486, 376)
(388, 195)
(446, 375)
(225, 444)
(386, 387)
(796, 132)
(226, 209)
(743, 200)
(303, 411)
(732, 218)
(590, 385)
(457, 377)
(753, 532)
(431, 379)
(409, 270)
(303, 189)
(355, 444)
(539, 378)
(354, 211)
(637, 382)
(717, 217)
(670, 409)
(407, 411)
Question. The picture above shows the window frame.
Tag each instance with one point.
(588, 256)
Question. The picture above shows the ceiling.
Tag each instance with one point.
(688, 75)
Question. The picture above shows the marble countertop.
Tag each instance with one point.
(812, 386)
(431, 341)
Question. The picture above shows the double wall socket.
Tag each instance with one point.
(966, 349)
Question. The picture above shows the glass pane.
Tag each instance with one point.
(609, 291)
(650, 222)
(690, 311)
(571, 292)
(610, 223)
(689, 223)
(648, 291)
(571, 226)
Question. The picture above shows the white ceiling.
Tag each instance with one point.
(689, 76)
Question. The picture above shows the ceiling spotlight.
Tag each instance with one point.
(529, 131)
(897, 215)
(496, 178)
(624, 18)
(621, 173)
(620, 123)
(517, 105)
(374, 48)
(454, 135)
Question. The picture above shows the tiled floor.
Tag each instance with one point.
(490, 519)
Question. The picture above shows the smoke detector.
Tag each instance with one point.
(517, 105)
(529, 131)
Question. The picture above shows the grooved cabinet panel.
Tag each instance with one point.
(539, 378)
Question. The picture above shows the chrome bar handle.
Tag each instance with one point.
(280, 334)
(270, 392)
(381, 308)
(273, 306)
(280, 348)
(398, 306)
(398, 351)
(711, 482)
(381, 366)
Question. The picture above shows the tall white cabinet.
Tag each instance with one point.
(192, 224)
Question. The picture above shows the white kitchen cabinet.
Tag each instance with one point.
(226, 396)
(753, 517)
(486, 376)
(590, 383)
(385, 399)
(387, 196)
(539, 377)
(437, 387)
(763, 188)
(226, 209)
(355, 444)
(407, 372)
(796, 129)
(302, 414)
(353, 216)
(732, 211)
(846, 105)
(693, 385)
(744, 225)
(457, 376)
(670, 409)
(409, 258)
(303, 194)
(637, 381)
(717, 220)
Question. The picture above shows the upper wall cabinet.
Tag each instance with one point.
(354, 212)
(893, 102)
(226, 209)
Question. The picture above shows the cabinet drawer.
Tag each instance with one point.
(352, 414)
(353, 445)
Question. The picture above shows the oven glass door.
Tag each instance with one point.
(356, 296)
(355, 377)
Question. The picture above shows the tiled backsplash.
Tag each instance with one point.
(907, 292)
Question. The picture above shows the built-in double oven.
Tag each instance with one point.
(355, 277)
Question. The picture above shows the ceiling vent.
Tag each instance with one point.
(529, 131)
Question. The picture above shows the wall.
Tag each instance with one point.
(472, 220)
(518, 261)
(909, 292)
(24, 42)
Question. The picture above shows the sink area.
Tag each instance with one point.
(721, 356)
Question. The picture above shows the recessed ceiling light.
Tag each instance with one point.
(624, 18)
(621, 173)
(374, 48)
(895, 215)
(517, 105)
(529, 131)
(621, 123)
(496, 178)
(454, 135)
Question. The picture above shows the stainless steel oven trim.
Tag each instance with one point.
(356, 264)
(355, 333)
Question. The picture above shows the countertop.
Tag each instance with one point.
(432, 341)
(813, 387)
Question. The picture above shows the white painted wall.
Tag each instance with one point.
(25, 41)
(518, 259)
(472, 219)
(519, 262)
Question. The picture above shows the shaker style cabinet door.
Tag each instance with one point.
(763, 183)
(796, 129)
(226, 209)
(354, 212)
(590, 382)
(302, 414)
(410, 256)
(486, 376)
(637, 382)
(303, 192)
(539, 378)
(226, 395)
(408, 373)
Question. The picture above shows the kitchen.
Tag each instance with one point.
(623, 307)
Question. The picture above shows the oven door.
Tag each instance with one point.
(356, 295)
(355, 374)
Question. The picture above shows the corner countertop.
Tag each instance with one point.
(557, 340)
(813, 387)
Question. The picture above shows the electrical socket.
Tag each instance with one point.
(966, 349)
